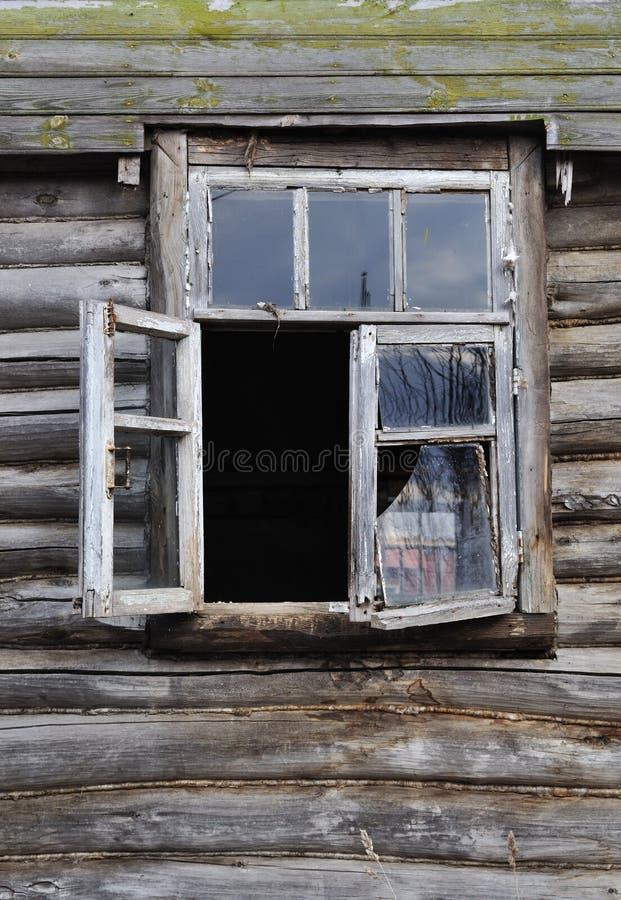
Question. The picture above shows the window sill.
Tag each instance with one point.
(281, 628)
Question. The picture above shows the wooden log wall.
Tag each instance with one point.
(180, 774)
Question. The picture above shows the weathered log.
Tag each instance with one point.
(51, 359)
(595, 181)
(584, 301)
(249, 877)
(589, 614)
(586, 350)
(587, 551)
(569, 696)
(413, 822)
(51, 492)
(584, 490)
(59, 243)
(45, 437)
(586, 416)
(30, 548)
(70, 196)
(56, 623)
(65, 400)
(573, 438)
(584, 227)
(49, 297)
(357, 150)
(62, 134)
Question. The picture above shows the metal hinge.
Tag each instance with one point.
(109, 319)
(518, 381)
(520, 547)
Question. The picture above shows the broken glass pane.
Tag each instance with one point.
(434, 531)
(433, 385)
(252, 248)
(349, 250)
(447, 252)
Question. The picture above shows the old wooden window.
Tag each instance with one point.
(405, 279)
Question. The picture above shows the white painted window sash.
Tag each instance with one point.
(99, 323)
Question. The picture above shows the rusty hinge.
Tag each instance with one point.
(520, 547)
(109, 319)
(111, 482)
(518, 381)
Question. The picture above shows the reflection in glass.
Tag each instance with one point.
(349, 250)
(252, 248)
(447, 252)
(426, 385)
(433, 528)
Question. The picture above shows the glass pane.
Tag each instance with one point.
(447, 252)
(434, 529)
(349, 250)
(433, 385)
(252, 248)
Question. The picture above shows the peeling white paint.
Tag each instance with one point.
(221, 5)
(351, 2)
(564, 175)
(437, 4)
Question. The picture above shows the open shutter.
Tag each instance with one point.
(433, 529)
(98, 424)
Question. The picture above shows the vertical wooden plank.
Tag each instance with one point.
(199, 242)
(190, 462)
(536, 581)
(505, 445)
(167, 295)
(301, 262)
(96, 436)
(363, 472)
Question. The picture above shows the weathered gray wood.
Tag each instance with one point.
(245, 878)
(584, 437)
(27, 438)
(586, 490)
(358, 150)
(589, 614)
(63, 400)
(54, 58)
(67, 134)
(50, 297)
(151, 601)
(301, 18)
(38, 547)
(584, 227)
(151, 425)
(151, 323)
(415, 822)
(587, 301)
(295, 744)
(171, 685)
(54, 623)
(596, 181)
(51, 359)
(571, 266)
(515, 93)
(587, 551)
(586, 416)
(52, 243)
(129, 170)
(51, 491)
(435, 611)
(346, 318)
(253, 630)
(585, 350)
(69, 195)
(583, 131)
(536, 584)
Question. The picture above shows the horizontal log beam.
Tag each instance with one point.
(584, 227)
(70, 134)
(59, 243)
(66, 400)
(584, 490)
(587, 551)
(587, 350)
(69, 195)
(304, 879)
(425, 822)
(589, 615)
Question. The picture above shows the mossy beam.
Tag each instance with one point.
(232, 18)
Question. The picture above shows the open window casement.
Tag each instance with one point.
(101, 458)
(433, 525)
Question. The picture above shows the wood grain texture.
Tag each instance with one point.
(245, 878)
(301, 17)
(59, 242)
(596, 181)
(584, 227)
(412, 822)
(586, 490)
(586, 416)
(42, 297)
(69, 195)
(585, 350)
(178, 685)
(70, 134)
(588, 301)
(54, 623)
(296, 744)
(589, 614)
(587, 551)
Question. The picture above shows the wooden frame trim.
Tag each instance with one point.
(411, 180)
(345, 318)
(536, 580)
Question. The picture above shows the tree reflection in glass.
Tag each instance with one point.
(434, 528)
(431, 385)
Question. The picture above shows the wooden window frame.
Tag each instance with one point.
(175, 284)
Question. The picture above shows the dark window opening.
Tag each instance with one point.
(275, 473)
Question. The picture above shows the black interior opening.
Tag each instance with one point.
(275, 472)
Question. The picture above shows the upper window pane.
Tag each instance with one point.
(252, 248)
(349, 250)
(447, 252)
(433, 385)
